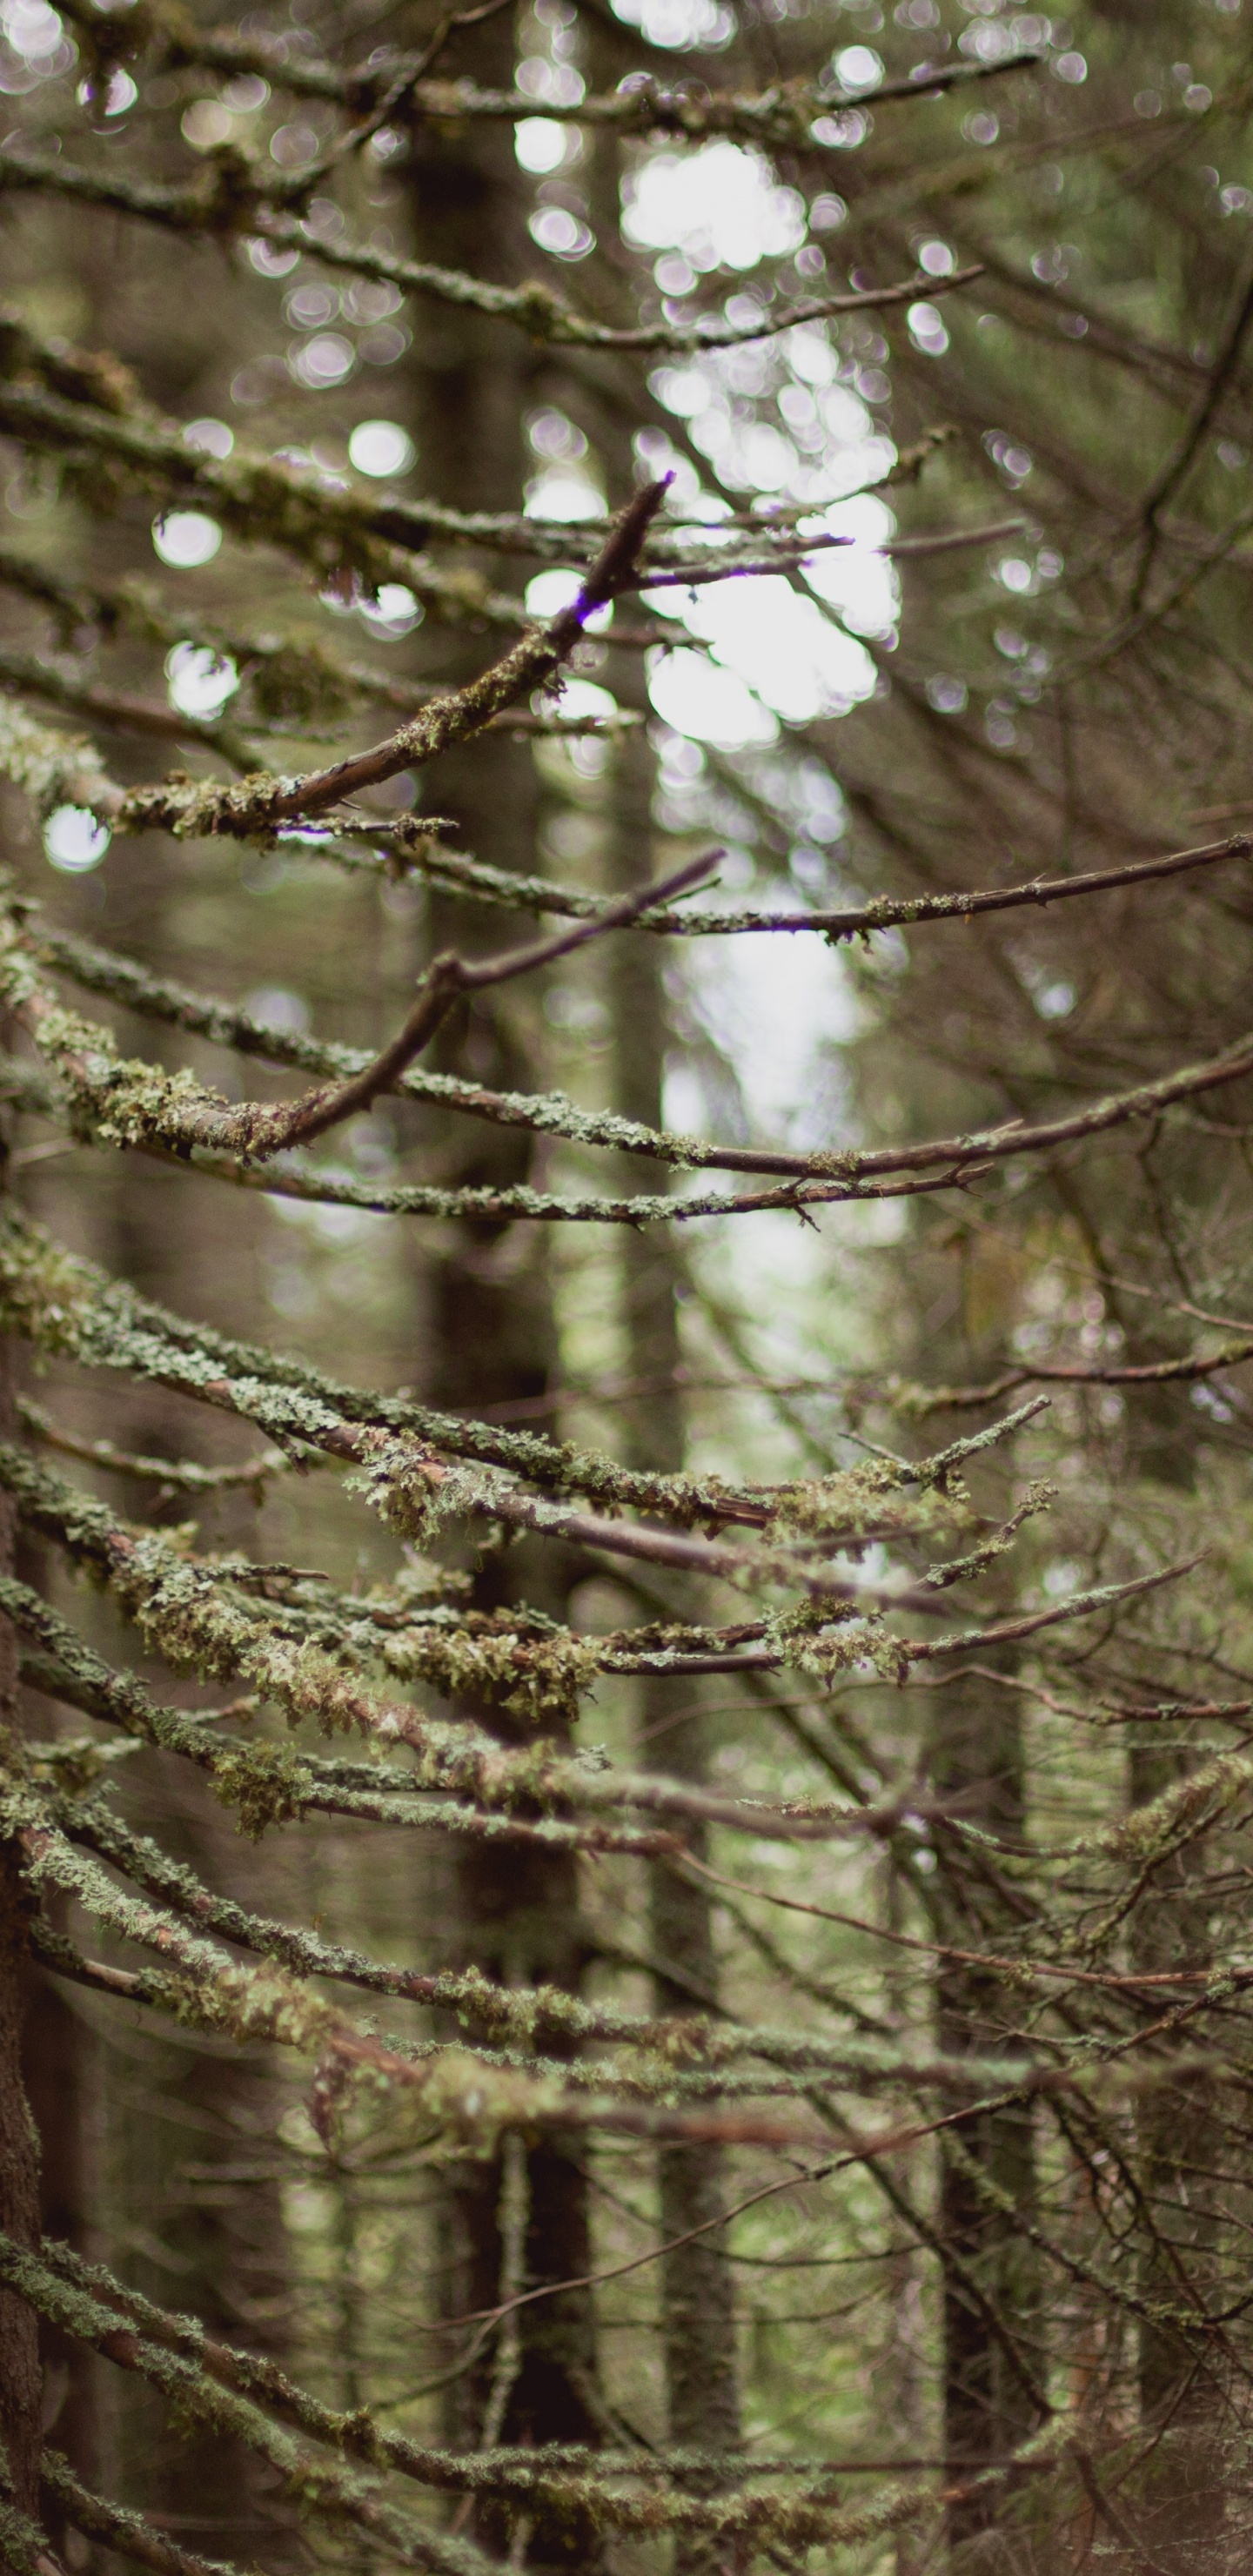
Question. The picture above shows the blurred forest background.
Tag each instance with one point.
(1069, 689)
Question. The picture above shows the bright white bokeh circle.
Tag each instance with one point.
(186, 538)
(540, 144)
(74, 841)
(327, 359)
(394, 612)
(721, 206)
(211, 437)
(701, 698)
(858, 67)
(199, 680)
(380, 448)
(581, 699)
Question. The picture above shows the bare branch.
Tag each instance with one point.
(445, 981)
(414, 845)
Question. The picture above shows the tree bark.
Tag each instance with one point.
(20, 2372)
(1180, 2129)
(189, 2116)
(698, 2299)
(514, 1914)
(987, 2162)
(20, 2375)
(1181, 2144)
(491, 1341)
(58, 2060)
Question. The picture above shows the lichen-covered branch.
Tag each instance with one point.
(174, 1475)
(322, 2486)
(822, 1178)
(137, 1105)
(781, 115)
(28, 675)
(121, 2529)
(217, 204)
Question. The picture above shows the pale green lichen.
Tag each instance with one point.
(50, 768)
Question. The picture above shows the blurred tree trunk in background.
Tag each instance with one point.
(492, 1344)
(987, 2163)
(698, 2296)
(20, 2372)
(62, 2075)
(1182, 2138)
(191, 2123)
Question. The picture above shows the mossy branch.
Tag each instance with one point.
(230, 197)
(122, 2530)
(806, 2514)
(539, 2015)
(320, 2486)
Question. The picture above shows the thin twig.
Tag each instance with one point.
(447, 978)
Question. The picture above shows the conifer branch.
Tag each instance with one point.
(323, 2487)
(121, 2529)
(779, 115)
(210, 208)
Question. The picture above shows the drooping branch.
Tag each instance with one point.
(103, 1322)
(182, 1117)
(1189, 1370)
(27, 675)
(793, 2519)
(508, 2016)
(268, 1783)
(827, 1179)
(832, 1175)
(325, 2486)
(259, 502)
(464, 2095)
(166, 2352)
(190, 1613)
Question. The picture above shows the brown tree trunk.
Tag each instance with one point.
(57, 2059)
(191, 2118)
(20, 2371)
(1180, 2129)
(698, 2300)
(492, 1341)
(1181, 2147)
(61, 2073)
(987, 2162)
(20, 2375)
(514, 1914)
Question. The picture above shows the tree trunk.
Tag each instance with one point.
(1181, 2146)
(20, 2376)
(59, 2065)
(698, 2301)
(191, 2117)
(20, 2371)
(492, 1341)
(1179, 2128)
(987, 2161)
(515, 1914)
